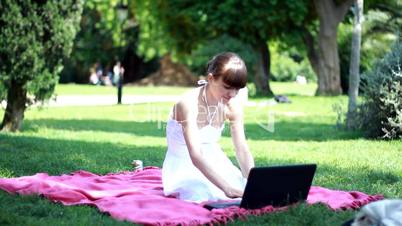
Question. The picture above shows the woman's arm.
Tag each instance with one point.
(243, 154)
(190, 128)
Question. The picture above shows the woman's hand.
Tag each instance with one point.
(233, 192)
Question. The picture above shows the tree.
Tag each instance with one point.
(185, 24)
(380, 30)
(354, 77)
(393, 20)
(323, 53)
(108, 32)
(35, 37)
(98, 40)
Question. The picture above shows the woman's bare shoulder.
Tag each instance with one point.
(189, 98)
(234, 109)
(187, 104)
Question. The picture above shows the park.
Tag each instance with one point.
(341, 84)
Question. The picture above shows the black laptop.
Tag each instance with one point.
(274, 185)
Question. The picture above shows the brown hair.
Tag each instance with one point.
(230, 67)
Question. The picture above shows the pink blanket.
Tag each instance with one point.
(138, 197)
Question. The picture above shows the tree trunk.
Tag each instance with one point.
(312, 53)
(329, 82)
(16, 105)
(354, 77)
(327, 65)
(263, 69)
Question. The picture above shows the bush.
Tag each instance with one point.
(374, 45)
(287, 63)
(285, 69)
(380, 113)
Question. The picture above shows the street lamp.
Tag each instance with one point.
(122, 13)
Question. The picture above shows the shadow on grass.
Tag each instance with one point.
(284, 130)
(25, 155)
(358, 178)
(131, 127)
(297, 131)
(36, 210)
(29, 155)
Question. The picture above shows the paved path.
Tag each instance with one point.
(100, 100)
(104, 100)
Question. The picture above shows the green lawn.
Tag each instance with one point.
(106, 139)
(72, 89)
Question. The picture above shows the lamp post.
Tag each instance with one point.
(122, 15)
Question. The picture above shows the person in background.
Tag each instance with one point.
(118, 72)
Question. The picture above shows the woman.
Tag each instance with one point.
(195, 167)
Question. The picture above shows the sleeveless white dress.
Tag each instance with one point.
(182, 179)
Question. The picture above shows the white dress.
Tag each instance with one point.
(182, 179)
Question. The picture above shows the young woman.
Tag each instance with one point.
(195, 167)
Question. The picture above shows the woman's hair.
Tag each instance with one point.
(230, 67)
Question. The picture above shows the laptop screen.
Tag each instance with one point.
(277, 185)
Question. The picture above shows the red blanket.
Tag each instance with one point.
(138, 197)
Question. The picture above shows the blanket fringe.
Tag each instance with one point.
(70, 190)
(359, 203)
(223, 216)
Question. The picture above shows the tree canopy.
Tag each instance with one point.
(183, 25)
(35, 37)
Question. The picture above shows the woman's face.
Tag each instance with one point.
(220, 90)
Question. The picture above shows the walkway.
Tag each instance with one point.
(105, 100)
(100, 100)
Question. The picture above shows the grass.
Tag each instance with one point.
(290, 89)
(106, 139)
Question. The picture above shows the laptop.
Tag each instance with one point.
(275, 185)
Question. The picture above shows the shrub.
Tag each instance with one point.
(287, 63)
(374, 45)
(285, 69)
(380, 113)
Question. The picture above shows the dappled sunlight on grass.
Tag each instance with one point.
(95, 126)
(115, 137)
(106, 139)
(36, 154)
(6, 173)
